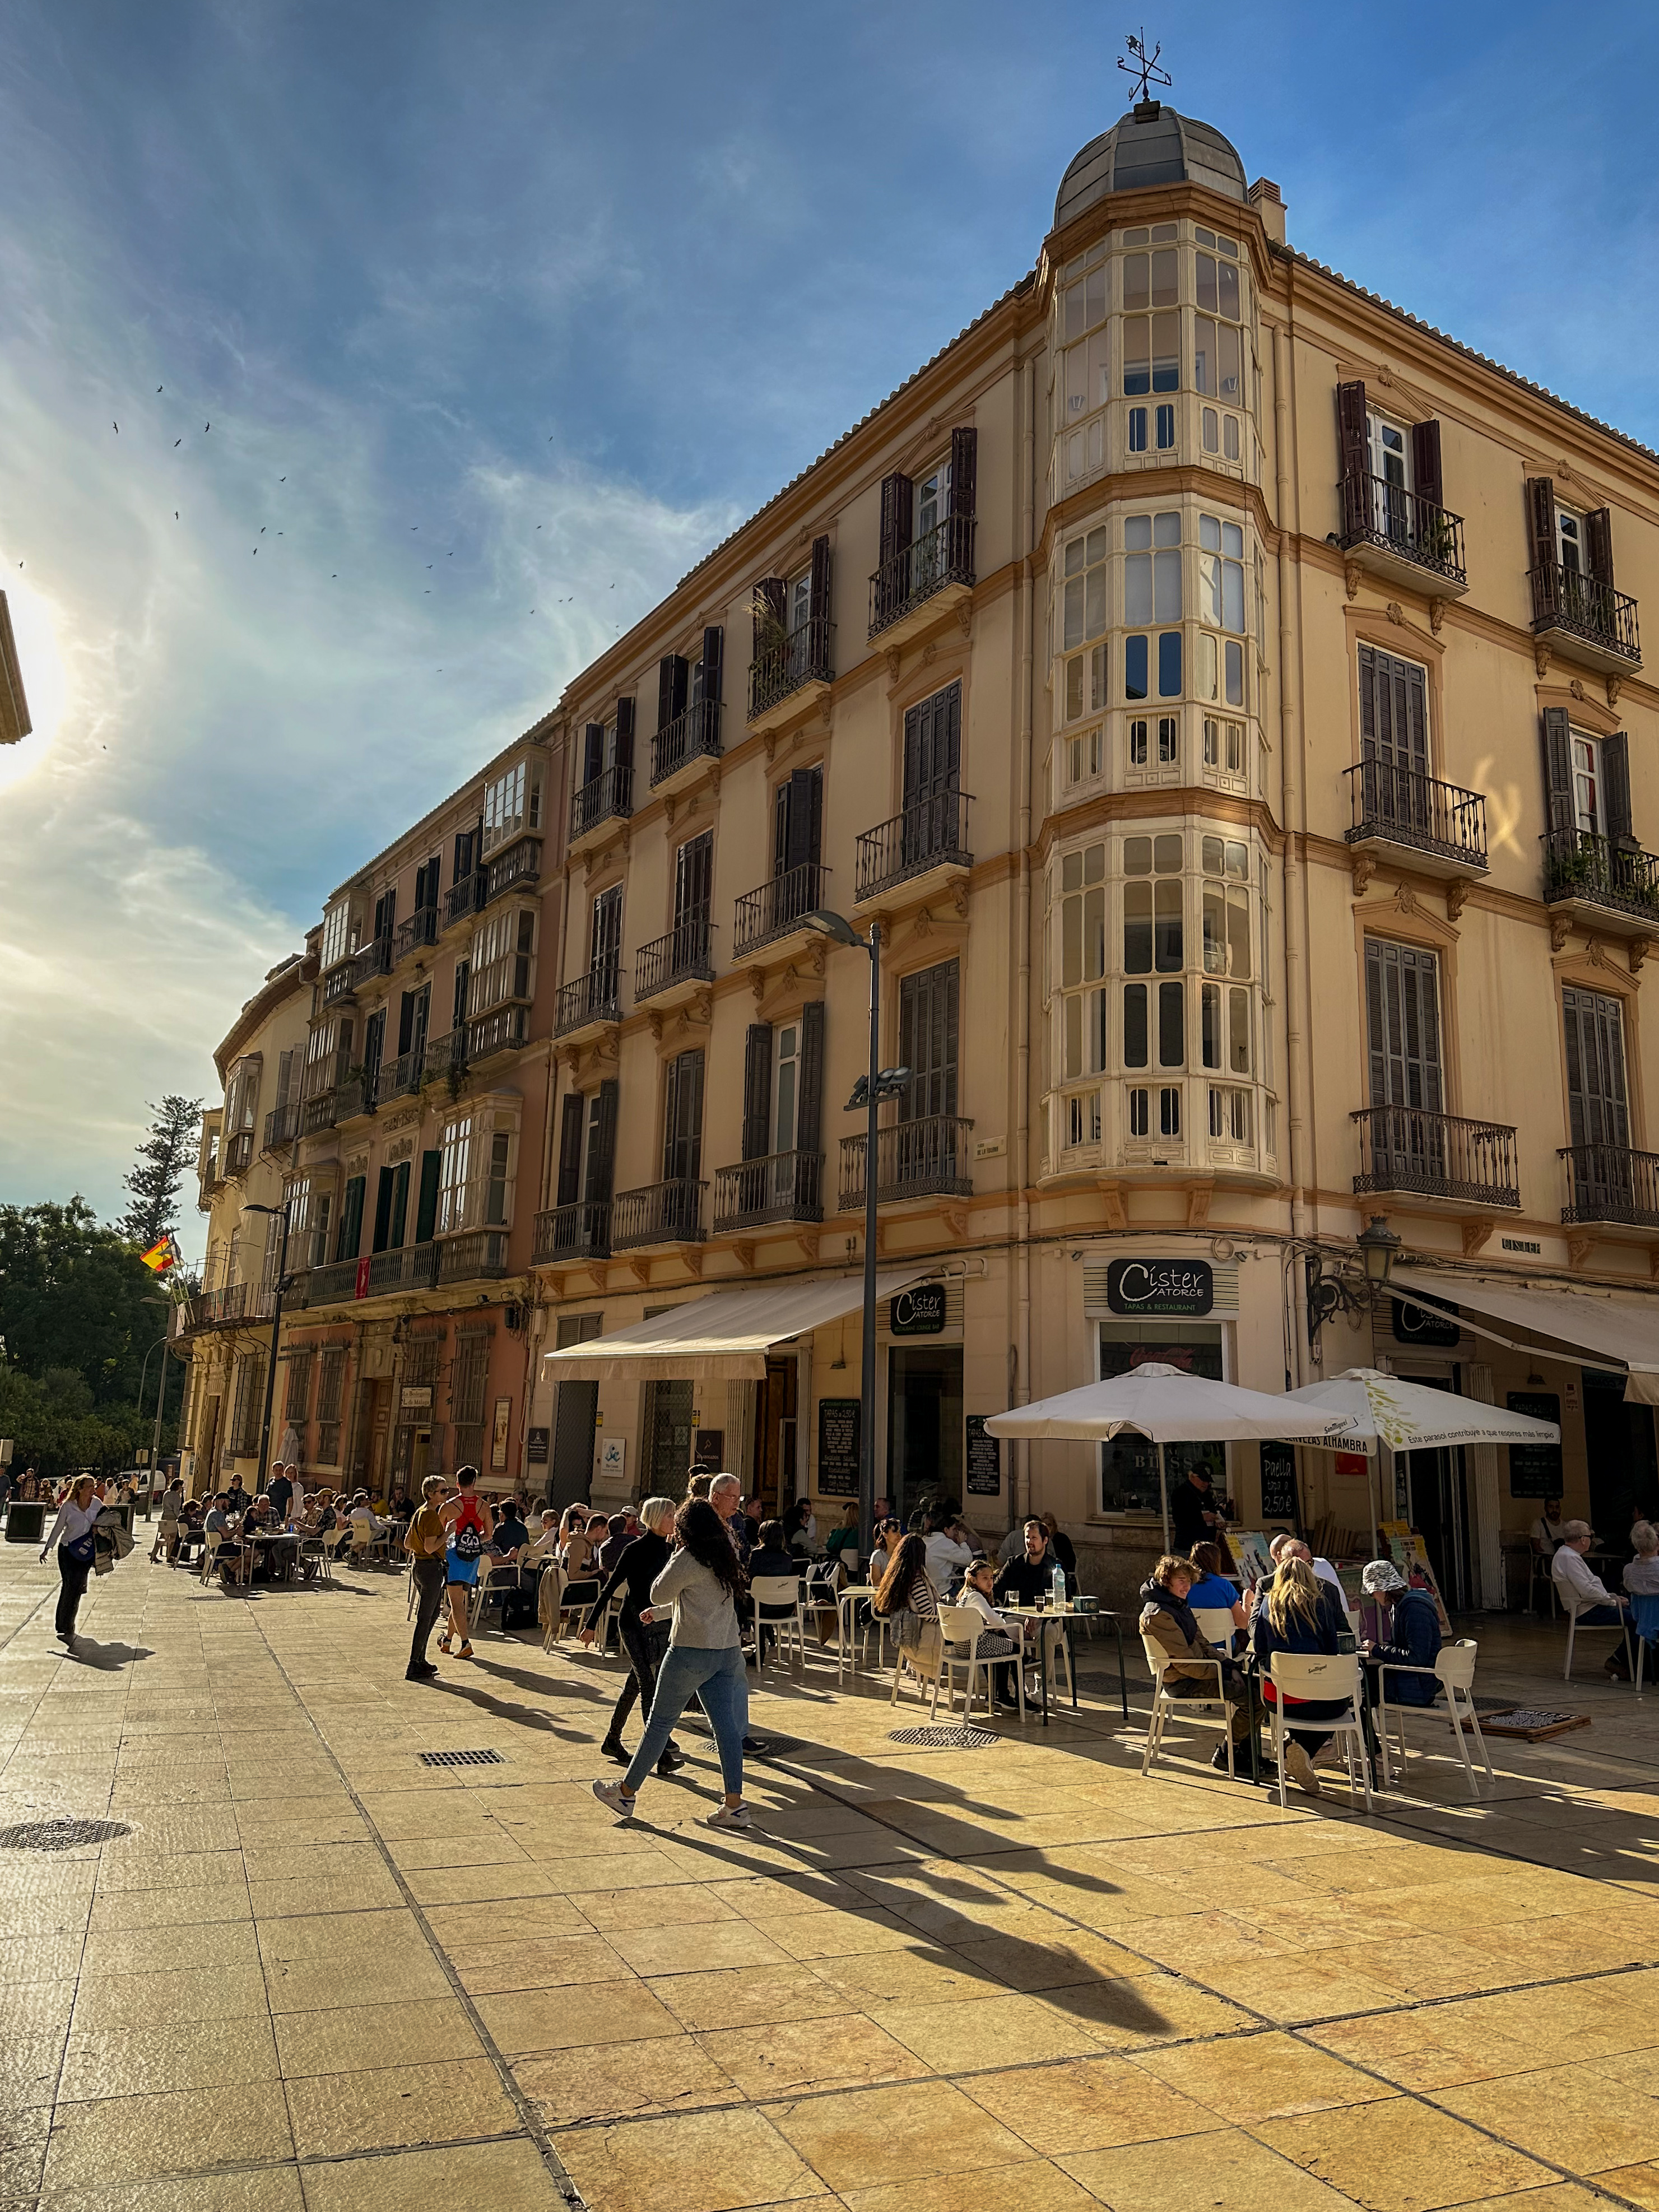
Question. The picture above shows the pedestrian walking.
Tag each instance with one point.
(71, 1532)
(471, 1526)
(635, 1571)
(427, 1542)
(166, 1536)
(703, 1583)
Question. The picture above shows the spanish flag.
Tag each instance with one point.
(161, 1255)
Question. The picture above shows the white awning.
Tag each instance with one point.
(724, 1337)
(1621, 1329)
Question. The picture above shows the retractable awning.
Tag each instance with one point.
(1623, 1330)
(724, 1337)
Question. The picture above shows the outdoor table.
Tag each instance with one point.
(1066, 1618)
(844, 1602)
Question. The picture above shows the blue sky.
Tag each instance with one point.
(437, 275)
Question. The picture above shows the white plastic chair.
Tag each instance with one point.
(924, 1659)
(1454, 1669)
(210, 1544)
(1592, 1628)
(960, 1629)
(1203, 1710)
(1215, 1626)
(775, 1600)
(1322, 1677)
(575, 1599)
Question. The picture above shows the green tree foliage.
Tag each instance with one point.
(50, 1436)
(73, 1298)
(162, 1161)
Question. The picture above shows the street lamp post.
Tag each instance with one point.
(160, 1345)
(276, 1329)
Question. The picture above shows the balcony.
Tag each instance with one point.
(1610, 1183)
(776, 911)
(661, 1213)
(353, 1099)
(445, 1055)
(581, 1231)
(227, 1306)
(1404, 538)
(520, 863)
(927, 1158)
(1603, 886)
(479, 1256)
(506, 1030)
(1440, 826)
(925, 847)
(414, 935)
(318, 1112)
(375, 959)
(411, 1268)
(676, 963)
(329, 1285)
(466, 898)
(282, 1127)
(340, 983)
(781, 1186)
(400, 1076)
(689, 739)
(238, 1153)
(1585, 619)
(912, 589)
(1406, 1148)
(591, 1003)
(793, 673)
(608, 799)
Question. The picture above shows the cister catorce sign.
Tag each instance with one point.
(1164, 1287)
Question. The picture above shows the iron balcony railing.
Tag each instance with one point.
(376, 959)
(693, 735)
(610, 796)
(778, 907)
(521, 863)
(282, 1126)
(238, 1153)
(683, 955)
(1580, 863)
(507, 1030)
(328, 1285)
(446, 1054)
(340, 982)
(1377, 512)
(594, 997)
(800, 657)
(661, 1213)
(931, 833)
(397, 1077)
(581, 1231)
(420, 929)
(1441, 1155)
(411, 1268)
(466, 897)
(942, 555)
(1610, 1182)
(321, 1112)
(1585, 607)
(781, 1186)
(914, 1159)
(230, 1303)
(353, 1096)
(1407, 808)
(479, 1255)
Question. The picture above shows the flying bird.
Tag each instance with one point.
(116, 428)
(206, 427)
(177, 441)
(256, 549)
(158, 387)
(282, 479)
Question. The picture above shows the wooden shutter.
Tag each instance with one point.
(399, 1205)
(809, 1111)
(1597, 1109)
(757, 1091)
(568, 1189)
(1615, 788)
(687, 1161)
(1559, 811)
(965, 470)
(1393, 710)
(463, 980)
(602, 1153)
(713, 650)
(286, 1065)
(1598, 531)
(382, 1210)
(898, 498)
(803, 815)
(769, 608)
(672, 674)
(933, 745)
(1541, 521)
(426, 1210)
(624, 733)
(351, 1220)
(671, 1117)
(927, 1040)
(694, 878)
(1351, 432)
(1402, 1004)
(1425, 463)
(592, 752)
(819, 604)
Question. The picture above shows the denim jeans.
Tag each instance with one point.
(646, 1648)
(718, 1678)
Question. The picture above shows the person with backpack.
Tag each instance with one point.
(77, 1545)
(471, 1526)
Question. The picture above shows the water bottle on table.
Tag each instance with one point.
(1057, 1600)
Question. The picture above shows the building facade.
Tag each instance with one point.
(1214, 684)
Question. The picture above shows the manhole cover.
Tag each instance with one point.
(959, 1738)
(63, 1835)
(775, 1747)
(460, 1759)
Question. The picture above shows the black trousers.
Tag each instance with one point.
(75, 1573)
(645, 1647)
(429, 1575)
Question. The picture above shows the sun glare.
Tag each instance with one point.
(34, 624)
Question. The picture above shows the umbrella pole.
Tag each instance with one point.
(1370, 1490)
(1163, 1494)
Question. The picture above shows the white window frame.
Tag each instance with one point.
(786, 1095)
(1587, 808)
(455, 1175)
(336, 924)
(1572, 539)
(512, 802)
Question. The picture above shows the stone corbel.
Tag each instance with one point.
(1351, 578)
(757, 984)
(1653, 1261)
(959, 897)
(700, 1009)
(923, 924)
(641, 1270)
(929, 654)
(1457, 896)
(668, 807)
(692, 1256)
(1395, 612)
(655, 1019)
(1111, 1205)
(744, 1255)
(1579, 1249)
(1615, 685)
(1476, 1232)
(1638, 952)
(965, 615)
(807, 1241)
(607, 1049)
(826, 710)
(713, 780)
(895, 662)
(1437, 615)
(771, 747)
(1540, 657)
(1598, 953)
(1364, 867)
(1199, 1196)
(553, 1285)
(955, 1220)
(1560, 931)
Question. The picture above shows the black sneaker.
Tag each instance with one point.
(756, 1746)
(612, 1750)
(672, 1760)
(419, 1670)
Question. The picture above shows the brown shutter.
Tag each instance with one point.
(757, 1091)
(1558, 775)
(897, 515)
(1615, 788)
(819, 606)
(1425, 463)
(671, 674)
(965, 470)
(1541, 521)
(624, 733)
(670, 1115)
(1598, 529)
(809, 1114)
(714, 643)
(570, 1149)
(593, 765)
(1351, 432)
(602, 1160)
(769, 608)
(1367, 684)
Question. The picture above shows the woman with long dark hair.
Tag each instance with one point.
(636, 1572)
(703, 1584)
(906, 1598)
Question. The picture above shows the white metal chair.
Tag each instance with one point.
(776, 1603)
(575, 1599)
(1454, 1669)
(960, 1629)
(1215, 1626)
(1205, 1711)
(1321, 1677)
(924, 1657)
(1592, 1628)
(210, 1544)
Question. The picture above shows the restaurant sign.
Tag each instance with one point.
(1185, 1287)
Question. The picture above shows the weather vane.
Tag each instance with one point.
(1145, 65)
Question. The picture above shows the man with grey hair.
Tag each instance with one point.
(725, 1496)
(1583, 1593)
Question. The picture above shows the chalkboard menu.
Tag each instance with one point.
(709, 1449)
(1535, 1470)
(984, 1459)
(838, 1447)
(1414, 1324)
(535, 1452)
(1279, 1482)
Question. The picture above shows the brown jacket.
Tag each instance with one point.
(1164, 1630)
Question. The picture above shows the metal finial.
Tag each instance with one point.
(1145, 65)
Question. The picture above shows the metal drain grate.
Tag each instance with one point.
(60, 1835)
(460, 1759)
(959, 1738)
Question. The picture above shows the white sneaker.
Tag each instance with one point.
(728, 1816)
(610, 1794)
(1300, 1768)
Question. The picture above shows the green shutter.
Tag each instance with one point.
(426, 1214)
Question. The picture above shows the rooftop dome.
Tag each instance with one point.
(1151, 145)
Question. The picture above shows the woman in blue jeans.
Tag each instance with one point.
(702, 1583)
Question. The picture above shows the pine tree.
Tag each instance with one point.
(158, 1171)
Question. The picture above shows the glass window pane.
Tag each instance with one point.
(1235, 673)
(1204, 358)
(1210, 429)
(1137, 929)
(1137, 587)
(1071, 871)
(1233, 540)
(1166, 353)
(1073, 611)
(1207, 280)
(1074, 688)
(1075, 311)
(1166, 593)
(1209, 532)
(1210, 1023)
(1238, 932)
(1134, 667)
(1230, 298)
(1137, 533)
(1137, 355)
(1209, 588)
(1232, 579)
(1074, 558)
(1138, 1110)
(1070, 957)
(1166, 528)
(1164, 294)
(1096, 545)
(1239, 856)
(1096, 304)
(1134, 1026)
(1098, 679)
(1166, 435)
(1094, 864)
(1230, 446)
(1093, 611)
(1169, 664)
(1208, 684)
(1137, 286)
(1137, 744)
(1074, 1036)
(1137, 429)
(1215, 926)
(1171, 1025)
(1238, 1032)
(1098, 1038)
(1167, 854)
(1212, 847)
(1167, 727)
(1167, 932)
(1227, 347)
(1094, 935)
(1137, 856)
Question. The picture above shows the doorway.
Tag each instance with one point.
(924, 1426)
(774, 1454)
(1437, 1507)
(667, 1438)
(379, 1435)
(1619, 1446)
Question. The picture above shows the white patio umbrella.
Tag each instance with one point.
(1169, 1406)
(1396, 1415)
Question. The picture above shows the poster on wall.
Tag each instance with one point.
(709, 1449)
(839, 1420)
(1279, 1482)
(499, 1432)
(1535, 1470)
(1410, 1554)
(612, 1473)
(535, 1446)
(984, 1458)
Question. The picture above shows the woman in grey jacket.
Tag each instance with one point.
(702, 1583)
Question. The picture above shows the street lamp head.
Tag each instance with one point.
(831, 924)
(1378, 1249)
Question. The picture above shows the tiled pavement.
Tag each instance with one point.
(307, 1971)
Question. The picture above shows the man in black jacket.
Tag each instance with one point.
(645, 1641)
(1030, 1577)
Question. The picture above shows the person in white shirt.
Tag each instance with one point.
(1585, 1594)
(945, 1555)
(1000, 1637)
(1641, 1575)
(72, 1533)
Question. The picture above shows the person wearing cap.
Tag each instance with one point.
(1413, 1636)
(1194, 1518)
(1585, 1592)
